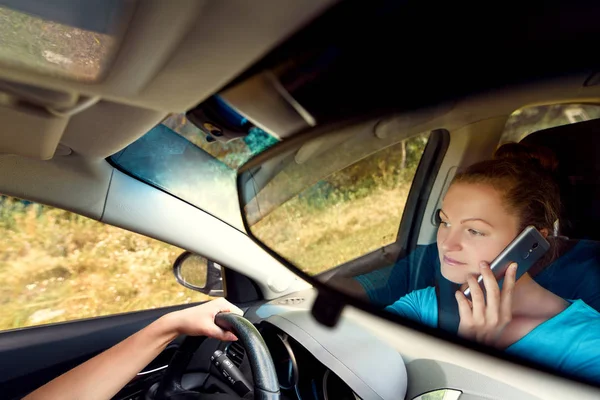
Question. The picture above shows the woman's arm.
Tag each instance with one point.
(104, 375)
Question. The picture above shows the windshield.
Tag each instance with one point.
(175, 157)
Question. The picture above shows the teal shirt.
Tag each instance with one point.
(568, 342)
(575, 275)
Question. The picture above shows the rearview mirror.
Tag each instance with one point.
(337, 207)
(198, 273)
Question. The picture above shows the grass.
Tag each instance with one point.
(58, 266)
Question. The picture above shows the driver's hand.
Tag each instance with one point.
(200, 320)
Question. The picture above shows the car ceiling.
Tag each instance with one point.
(173, 55)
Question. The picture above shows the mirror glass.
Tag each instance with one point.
(193, 271)
(401, 219)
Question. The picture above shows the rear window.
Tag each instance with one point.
(531, 119)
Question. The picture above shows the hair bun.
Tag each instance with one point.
(541, 156)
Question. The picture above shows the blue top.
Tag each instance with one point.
(575, 275)
(568, 342)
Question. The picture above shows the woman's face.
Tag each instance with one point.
(475, 227)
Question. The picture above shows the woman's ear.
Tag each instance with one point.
(544, 232)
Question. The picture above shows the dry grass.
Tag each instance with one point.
(58, 266)
(317, 241)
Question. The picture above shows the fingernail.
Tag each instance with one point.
(513, 266)
(483, 264)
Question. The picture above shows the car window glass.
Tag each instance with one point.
(175, 157)
(59, 266)
(527, 120)
(319, 222)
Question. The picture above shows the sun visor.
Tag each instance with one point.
(263, 100)
(76, 40)
(30, 131)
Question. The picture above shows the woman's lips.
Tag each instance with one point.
(451, 261)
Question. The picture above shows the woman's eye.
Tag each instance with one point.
(476, 233)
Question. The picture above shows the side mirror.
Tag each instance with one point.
(198, 273)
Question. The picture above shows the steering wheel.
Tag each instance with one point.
(266, 384)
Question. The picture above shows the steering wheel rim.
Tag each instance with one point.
(266, 383)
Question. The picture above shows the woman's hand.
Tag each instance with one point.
(483, 322)
(200, 320)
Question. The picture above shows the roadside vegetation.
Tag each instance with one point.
(58, 266)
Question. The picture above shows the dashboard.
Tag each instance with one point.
(301, 375)
(314, 362)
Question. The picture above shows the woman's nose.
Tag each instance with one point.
(451, 241)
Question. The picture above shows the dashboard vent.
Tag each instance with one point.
(235, 351)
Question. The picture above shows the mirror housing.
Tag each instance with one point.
(198, 273)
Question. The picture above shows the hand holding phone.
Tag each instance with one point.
(525, 250)
(486, 316)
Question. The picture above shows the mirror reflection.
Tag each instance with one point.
(193, 271)
(500, 250)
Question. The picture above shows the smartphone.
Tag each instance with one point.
(526, 249)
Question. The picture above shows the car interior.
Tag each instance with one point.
(272, 62)
(577, 171)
